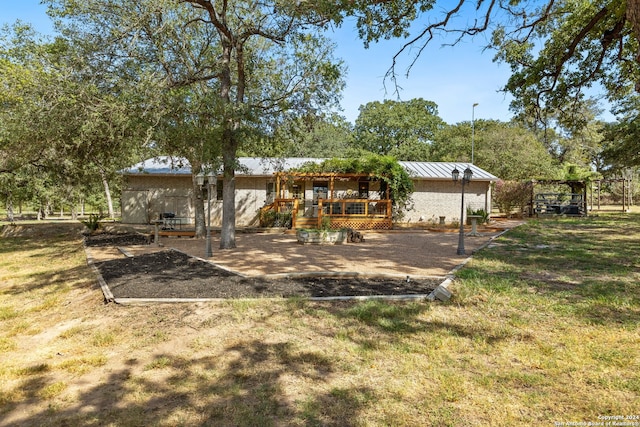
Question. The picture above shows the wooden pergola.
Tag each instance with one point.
(573, 203)
(357, 212)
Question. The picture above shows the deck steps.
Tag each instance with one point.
(303, 222)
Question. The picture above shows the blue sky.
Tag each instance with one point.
(453, 77)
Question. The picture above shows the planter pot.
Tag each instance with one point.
(321, 237)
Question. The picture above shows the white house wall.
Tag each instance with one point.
(433, 199)
(251, 195)
(145, 197)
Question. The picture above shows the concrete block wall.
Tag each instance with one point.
(432, 199)
(145, 197)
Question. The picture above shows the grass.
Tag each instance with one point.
(543, 328)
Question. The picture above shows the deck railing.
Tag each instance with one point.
(359, 214)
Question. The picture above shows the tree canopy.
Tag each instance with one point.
(253, 64)
(61, 119)
(507, 150)
(557, 49)
(403, 129)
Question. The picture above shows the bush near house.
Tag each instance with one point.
(508, 195)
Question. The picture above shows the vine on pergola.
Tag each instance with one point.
(386, 169)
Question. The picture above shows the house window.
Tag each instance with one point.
(297, 191)
(271, 192)
(320, 191)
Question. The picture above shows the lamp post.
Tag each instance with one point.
(211, 183)
(473, 133)
(465, 179)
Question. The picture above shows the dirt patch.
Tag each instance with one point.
(117, 239)
(172, 274)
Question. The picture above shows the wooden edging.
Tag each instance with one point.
(144, 301)
(108, 296)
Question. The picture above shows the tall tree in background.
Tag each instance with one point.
(566, 141)
(403, 129)
(22, 73)
(621, 140)
(506, 150)
(63, 119)
(328, 136)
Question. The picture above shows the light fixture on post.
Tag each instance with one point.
(211, 183)
(473, 131)
(466, 178)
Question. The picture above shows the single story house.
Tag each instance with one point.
(164, 185)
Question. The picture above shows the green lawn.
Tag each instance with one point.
(543, 328)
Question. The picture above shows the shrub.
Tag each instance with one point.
(508, 195)
(479, 212)
(272, 218)
(93, 222)
(326, 223)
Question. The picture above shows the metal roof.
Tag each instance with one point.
(442, 170)
(161, 165)
(256, 166)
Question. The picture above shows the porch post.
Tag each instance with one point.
(331, 195)
(294, 214)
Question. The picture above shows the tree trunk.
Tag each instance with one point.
(633, 16)
(229, 148)
(10, 208)
(43, 209)
(107, 193)
(228, 231)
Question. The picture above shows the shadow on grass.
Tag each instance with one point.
(588, 266)
(391, 322)
(44, 272)
(243, 386)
